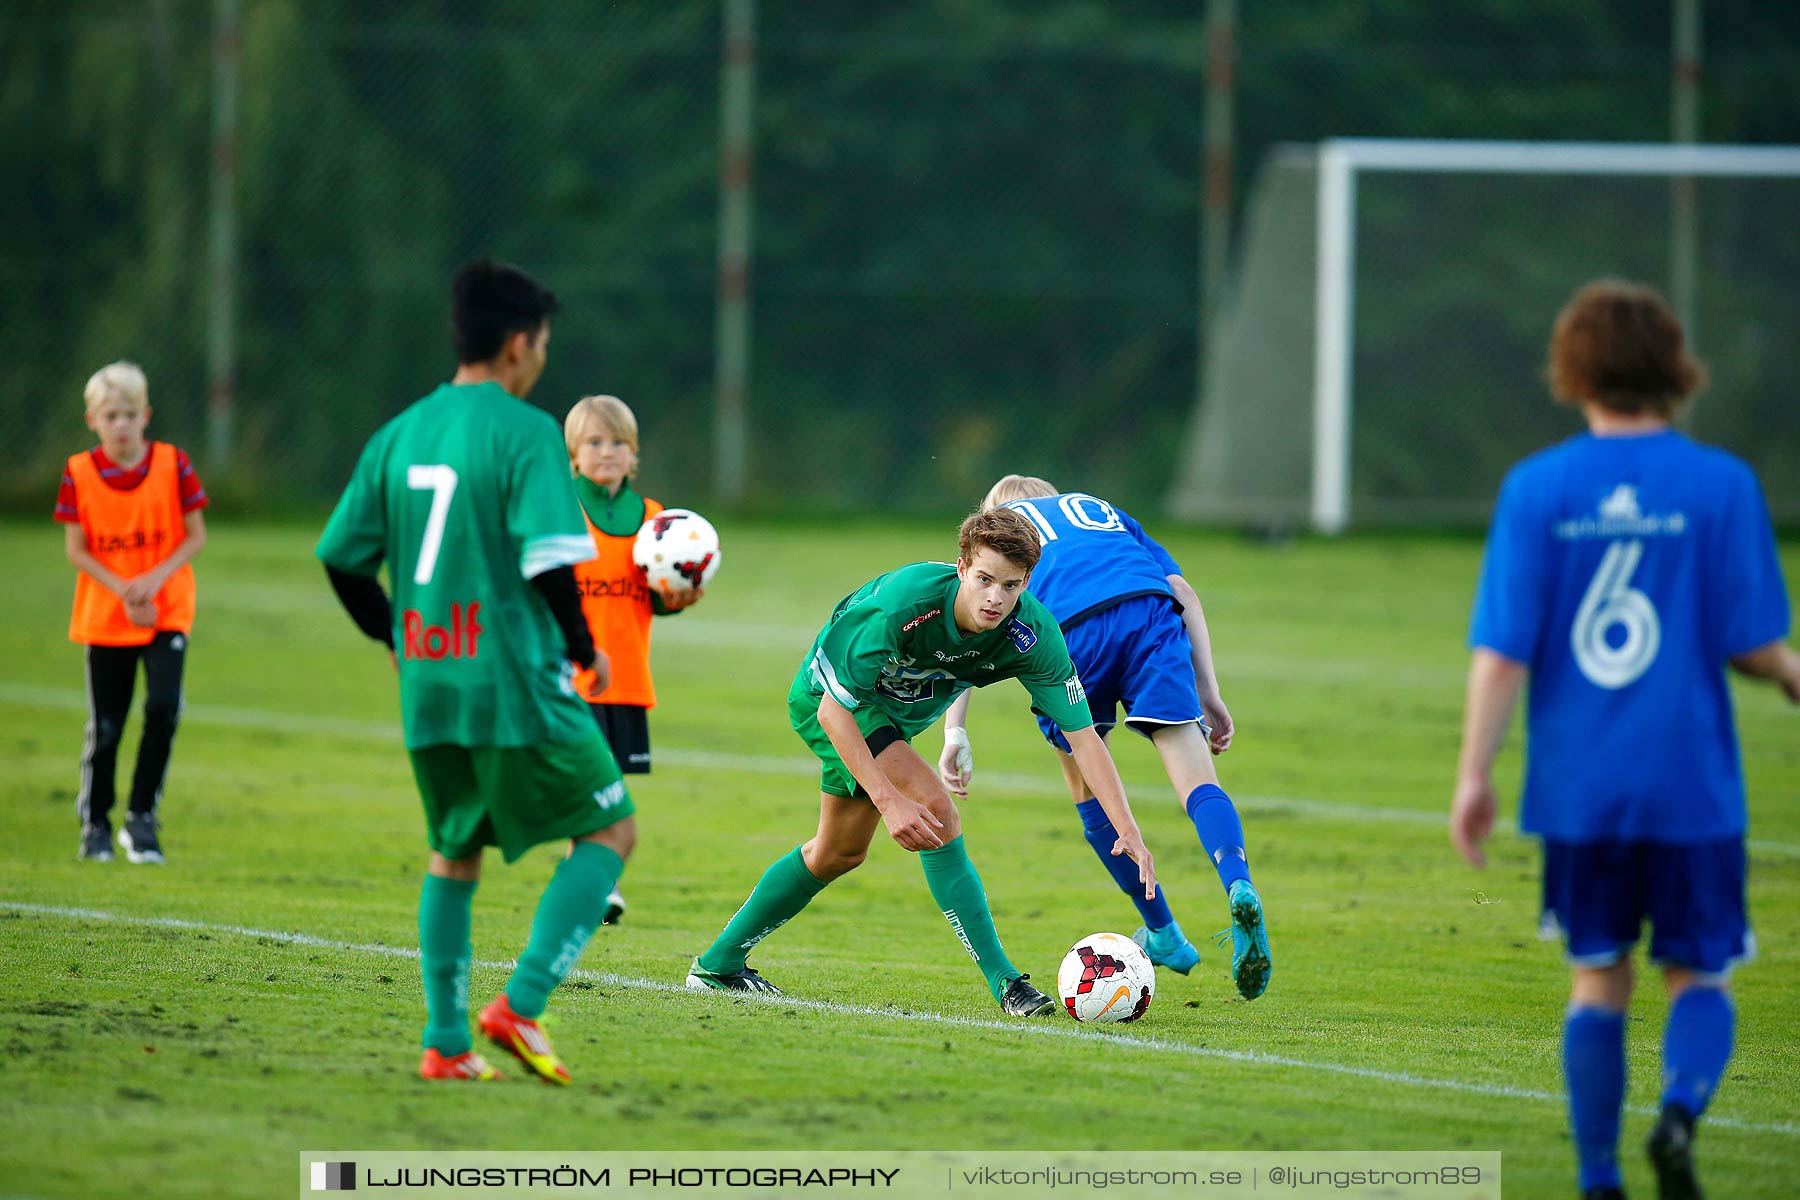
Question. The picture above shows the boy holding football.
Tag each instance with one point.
(601, 433)
(893, 656)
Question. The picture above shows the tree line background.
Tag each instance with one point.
(975, 220)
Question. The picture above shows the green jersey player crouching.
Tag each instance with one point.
(894, 655)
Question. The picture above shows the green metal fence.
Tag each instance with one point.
(975, 237)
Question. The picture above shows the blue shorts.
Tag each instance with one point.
(1134, 654)
(1597, 895)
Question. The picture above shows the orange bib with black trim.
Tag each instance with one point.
(615, 597)
(130, 532)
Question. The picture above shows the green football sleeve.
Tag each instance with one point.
(850, 656)
(543, 517)
(1054, 685)
(355, 537)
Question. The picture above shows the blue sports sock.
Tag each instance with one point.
(1594, 1064)
(1100, 834)
(1696, 1047)
(1216, 821)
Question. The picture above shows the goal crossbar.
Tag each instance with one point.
(1340, 160)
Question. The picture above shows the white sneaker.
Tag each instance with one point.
(137, 838)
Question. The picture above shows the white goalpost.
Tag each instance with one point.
(1342, 161)
(1526, 221)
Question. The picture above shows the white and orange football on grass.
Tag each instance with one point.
(1106, 977)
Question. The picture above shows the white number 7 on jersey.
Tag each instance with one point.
(1611, 600)
(440, 481)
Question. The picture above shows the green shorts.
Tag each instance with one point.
(878, 730)
(517, 797)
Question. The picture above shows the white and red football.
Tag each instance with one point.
(1106, 977)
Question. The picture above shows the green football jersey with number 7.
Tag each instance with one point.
(465, 497)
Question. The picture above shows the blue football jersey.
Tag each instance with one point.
(1094, 556)
(1625, 572)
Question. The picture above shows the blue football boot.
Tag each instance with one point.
(1251, 965)
(1168, 947)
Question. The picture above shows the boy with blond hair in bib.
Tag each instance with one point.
(601, 433)
(130, 510)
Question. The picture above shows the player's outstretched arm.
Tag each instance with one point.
(956, 765)
(1206, 679)
(908, 822)
(1102, 774)
(1494, 684)
(1777, 662)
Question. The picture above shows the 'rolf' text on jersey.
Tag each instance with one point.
(434, 642)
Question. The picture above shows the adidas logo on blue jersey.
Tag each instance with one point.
(1621, 505)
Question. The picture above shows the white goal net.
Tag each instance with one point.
(1381, 360)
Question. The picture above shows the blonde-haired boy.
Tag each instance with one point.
(130, 509)
(1017, 487)
(602, 437)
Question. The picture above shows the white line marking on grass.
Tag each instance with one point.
(792, 766)
(1026, 1028)
(261, 720)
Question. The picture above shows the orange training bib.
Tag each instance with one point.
(130, 532)
(616, 600)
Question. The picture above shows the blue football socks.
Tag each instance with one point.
(1215, 819)
(1100, 834)
(1594, 1064)
(1696, 1047)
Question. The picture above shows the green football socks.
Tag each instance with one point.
(566, 917)
(444, 954)
(959, 895)
(785, 888)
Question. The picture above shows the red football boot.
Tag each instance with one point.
(524, 1038)
(467, 1065)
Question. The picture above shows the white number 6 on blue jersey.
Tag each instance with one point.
(1611, 600)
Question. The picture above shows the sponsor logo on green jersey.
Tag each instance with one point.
(459, 640)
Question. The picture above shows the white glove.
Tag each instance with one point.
(957, 763)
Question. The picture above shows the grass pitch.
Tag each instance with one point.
(254, 998)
